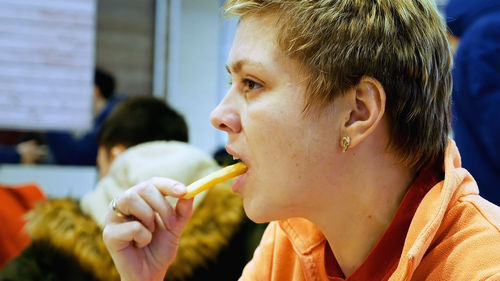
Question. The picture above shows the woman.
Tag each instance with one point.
(341, 111)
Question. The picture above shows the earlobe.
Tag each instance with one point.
(367, 107)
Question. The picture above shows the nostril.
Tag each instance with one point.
(225, 118)
(219, 123)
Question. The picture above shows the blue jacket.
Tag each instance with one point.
(8, 154)
(476, 90)
(68, 150)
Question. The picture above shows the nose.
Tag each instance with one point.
(225, 117)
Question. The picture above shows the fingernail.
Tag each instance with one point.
(179, 188)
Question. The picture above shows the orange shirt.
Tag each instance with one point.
(383, 259)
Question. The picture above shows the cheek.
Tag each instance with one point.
(294, 152)
(279, 149)
(269, 134)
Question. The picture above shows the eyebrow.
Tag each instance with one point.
(238, 65)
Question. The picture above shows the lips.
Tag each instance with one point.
(235, 155)
(239, 182)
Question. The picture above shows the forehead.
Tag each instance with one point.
(255, 43)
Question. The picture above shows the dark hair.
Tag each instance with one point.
(105, 82)
(141, 119)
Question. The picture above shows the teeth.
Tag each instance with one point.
(236, 158)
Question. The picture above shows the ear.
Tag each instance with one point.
(365, 108)
(116, 150)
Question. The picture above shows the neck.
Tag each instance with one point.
(363, 207)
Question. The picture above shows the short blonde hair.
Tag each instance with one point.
(403, 44)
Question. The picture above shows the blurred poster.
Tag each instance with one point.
(46, 64)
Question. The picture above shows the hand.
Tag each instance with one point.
(30, 152)
(142, 233)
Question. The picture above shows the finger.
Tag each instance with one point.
(133, 205)
(169, 187)
(116, 212)
(155, 199)
(119, 236)
(114, 215)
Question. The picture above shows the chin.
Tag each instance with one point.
(255, 213)
(260, 212)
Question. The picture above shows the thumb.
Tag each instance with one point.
(184, 211)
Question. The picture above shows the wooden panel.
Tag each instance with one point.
(125, 36)
(46, 64)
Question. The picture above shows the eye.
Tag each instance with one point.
(251, 85)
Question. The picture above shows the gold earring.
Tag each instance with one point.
(346, 141)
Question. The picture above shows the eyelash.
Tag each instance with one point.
(246, 82)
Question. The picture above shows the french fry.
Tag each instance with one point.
(215, 178)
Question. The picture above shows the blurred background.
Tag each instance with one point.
(49, 50)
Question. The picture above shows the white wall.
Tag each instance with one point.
(195, 63)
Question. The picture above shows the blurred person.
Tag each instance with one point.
(475, 26)
(142, 138)
(68, 149)
(341, 111)
(26, 152)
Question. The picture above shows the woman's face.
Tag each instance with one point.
(290, 155)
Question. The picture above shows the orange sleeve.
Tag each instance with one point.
(15, 202)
